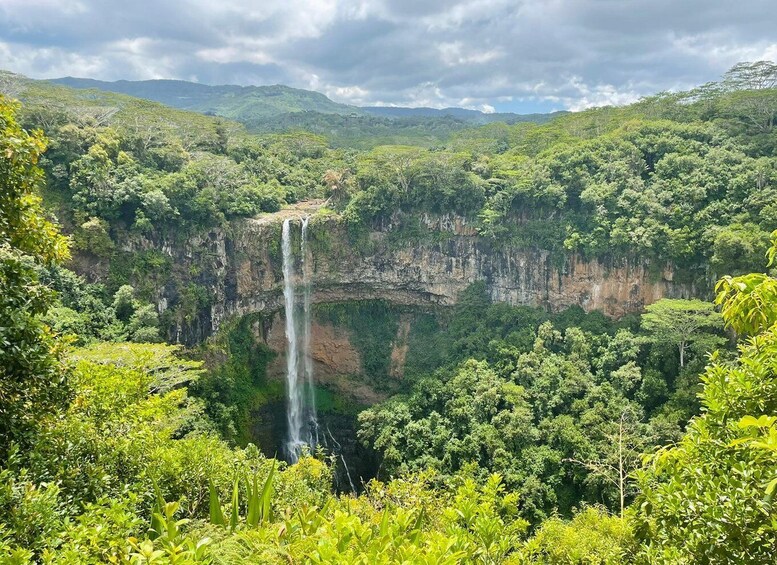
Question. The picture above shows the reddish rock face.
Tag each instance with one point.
(331, 349)
(336, 362)
(435, 272)
(241, 268)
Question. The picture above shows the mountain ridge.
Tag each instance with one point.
(251, 102)
(229, 101)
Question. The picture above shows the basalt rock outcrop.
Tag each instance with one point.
(241, 270)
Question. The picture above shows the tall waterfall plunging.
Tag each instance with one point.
(307, 360)
(301, 406)
(294, 407)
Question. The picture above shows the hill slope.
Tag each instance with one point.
(278, 108)
(252, 103)
(230, 101)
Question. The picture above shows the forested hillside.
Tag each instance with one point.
(235, 102)
(267, 109)
(511, 434)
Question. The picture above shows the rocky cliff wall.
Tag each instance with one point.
(241, 270)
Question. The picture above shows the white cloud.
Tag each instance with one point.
(715, 50)
(235, 54)
(348, 94)
(598, 95)
(456, 53)
(49, 61)
(477, 53)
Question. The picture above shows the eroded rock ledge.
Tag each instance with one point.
(242, 271)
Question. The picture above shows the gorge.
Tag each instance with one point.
(296, 272)
(242, 271)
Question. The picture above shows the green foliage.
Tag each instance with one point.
(236, 383)
(683, 324)
(509, 415)
(92, 237)
(749, 302)
(84, 313)
(402, 521)
(258, 503)
(738, 247)
(119, 165)
(562, 413)
(712, 485)
(32, 381)
(130, 440)
(162, 363)
(718, 482)
(591, 537)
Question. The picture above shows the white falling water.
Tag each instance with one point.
(307, 360)
(301, 405)
(337, 447)
(294, 405)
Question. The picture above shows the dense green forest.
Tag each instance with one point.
(516, 435)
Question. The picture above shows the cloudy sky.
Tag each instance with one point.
(508, 55)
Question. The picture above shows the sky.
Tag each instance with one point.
(493, 55)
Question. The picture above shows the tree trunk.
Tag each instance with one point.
(621, 478)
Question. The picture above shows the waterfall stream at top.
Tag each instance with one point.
(301, 402)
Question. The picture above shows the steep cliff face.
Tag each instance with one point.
(242, 271)
(337, 364)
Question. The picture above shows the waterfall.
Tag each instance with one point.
(301, 402)
(307, 360)
(294, 406)
(335, 448)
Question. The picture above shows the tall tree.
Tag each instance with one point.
(31, 377)
(682, 323)
(616, 459)
(757, 75)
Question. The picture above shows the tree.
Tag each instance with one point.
(11, 85)
(749, 302)
(705, 500)
(708, 499)
(621, 455)
(592, 536)
(340, 184)
(756, 109)
(32, 380)
(751, 76)
(682, 323)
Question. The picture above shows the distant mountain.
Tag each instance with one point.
(256, 105)
(279, 109)
(404, 112)
(474, 116)
(241, 103)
